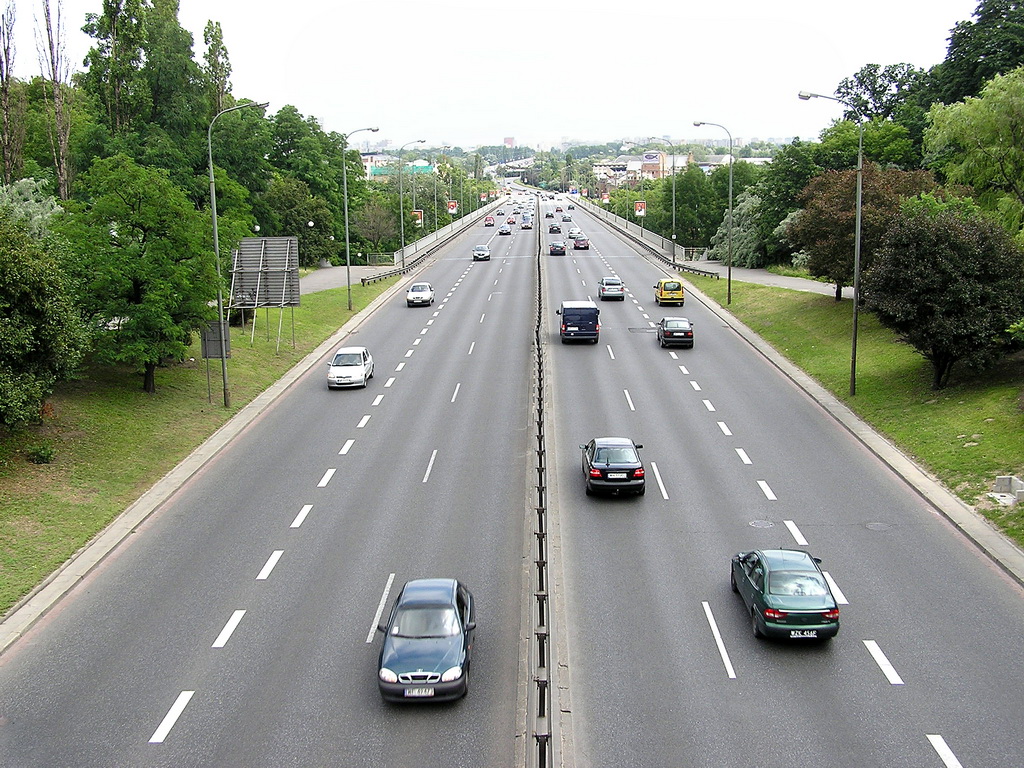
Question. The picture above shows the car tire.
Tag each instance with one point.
(408, 303)
(642, 491)
(754, 625)
(732, 581)
(589, 490)
(662, 342)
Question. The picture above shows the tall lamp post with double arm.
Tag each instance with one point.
(401, 194)
(806, 95)
(732, 161)
(221, 330)
(344, 194)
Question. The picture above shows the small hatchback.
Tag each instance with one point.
(612, 465)
(481, 253)
(419, 295)
(350, 367)
(668, 291)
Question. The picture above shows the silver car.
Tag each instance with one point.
(350, 367)
(481, 253)
(419, 295)
(611, 288)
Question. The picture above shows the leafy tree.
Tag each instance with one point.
(992, 44)
(375, 222)
(746, 238)
(42, 338)
(218, 65)
(777, 192)
(288, 208)
(951, 282)
(979, 142)
(885, 142)
(28, 202)
(178, 102)
(877, 92)
(145, 260)
(114, 64)
(698, 208)
(826, 226)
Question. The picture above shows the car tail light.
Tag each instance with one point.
(595, 472)
(598, 328)
(563, 327)
(771, 613)
(639, 472)
(832, 615)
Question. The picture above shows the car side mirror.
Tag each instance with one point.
(381, 628)
(471, 626)
(558, 311)
(639, 445)
(583, 447)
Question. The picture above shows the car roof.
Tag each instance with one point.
(420, 283)
(667, 319)
(343, 350)
(608, 442)
(583, 304)
(788, 560)
(428, 592)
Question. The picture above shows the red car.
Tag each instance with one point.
(581, 243)
(510, 220)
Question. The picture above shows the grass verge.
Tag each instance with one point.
(965, 434)
(111, 441)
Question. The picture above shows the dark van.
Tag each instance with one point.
(579, 321)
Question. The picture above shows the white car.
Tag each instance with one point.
(611, 288)
(350, 367)
(575, 232)
(419, 294)
(481, 253)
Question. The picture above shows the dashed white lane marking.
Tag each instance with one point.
(430, 465)
(725, 429)
(674, 356)
(743, 456)
(682, 370)
(326, 478)
(496, 280)
(471, 346)
(423, 331)
(646, 316)
(438, 312)
(171, 717)
(883, 663)
(362, 421)
(380, 608)
(837, 593)
(767, 491)
(389, 382)
(377, 399)
(709, 406)
(225, 634)
(629, 400)
(718, 640)
(652, 324)
(301, 517)
(797, 536)
(483, 316)
(695, 385)
(346, 447)
(610, 353)
(409, 353)
(269, 565)
(416, 342)
(399, 367)
(430, 322)
(456, 392)
(944, 752)
(657, 476)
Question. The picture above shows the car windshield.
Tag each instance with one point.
(623, 455)
(419, 288)
(797, 583)
(429, 621)
(348, 358)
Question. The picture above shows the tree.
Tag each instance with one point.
(218, 65)
(12, 104)
(27, 202)
(288, 208)
(113, 66)
(56, 64)
(746, 239)
(877, 92)
(950, 281)
(42, 338)
(825, 228)
(777, 191)
(992, 44)
(145, 259)
(978, 142)
(885, 142)
(177, 98)
(375, 223)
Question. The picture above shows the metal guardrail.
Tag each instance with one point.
(659, 253)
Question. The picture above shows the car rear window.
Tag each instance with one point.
(676, 324)
(673, 286)
(796, 583)
(576, 316)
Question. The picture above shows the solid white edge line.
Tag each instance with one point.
(225, 634)
(610, 353)
(709, 406)
(767, 491)
(326, 478)
(362, 421)
(430, 465)
(944, 752)
(718, 640)
(743, 456)
(377, 399)
(455, 394)
(380, 608)
(883, 663)
(301, 517)
(797, 536)
(629, 400)
(725, 429)
(346, 447)
(269, 565)
(171, 717)
(837, 593)
(657, 476)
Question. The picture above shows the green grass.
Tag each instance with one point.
(112, 441)
(965, 434)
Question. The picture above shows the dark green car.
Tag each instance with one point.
(785, 593)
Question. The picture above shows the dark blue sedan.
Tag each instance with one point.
(428, 639)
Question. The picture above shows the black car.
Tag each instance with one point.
(427, 642)
(557, 248)
(675, 330)
(554, 229)
(612, 465)
(786, 594)
(549, 215)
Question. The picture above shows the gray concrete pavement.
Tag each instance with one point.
(764, 277)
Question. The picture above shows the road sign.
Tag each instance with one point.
(418, 215)
(640, 208)
(453, 207)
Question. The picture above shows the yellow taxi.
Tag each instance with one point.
(668, 291)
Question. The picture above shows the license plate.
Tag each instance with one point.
(419, 692)
(803, 633)
(573, 328)
(616, 475)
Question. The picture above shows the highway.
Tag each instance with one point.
(236, 627)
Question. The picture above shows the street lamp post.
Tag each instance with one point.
(732, 162)
(673, 151)
(344, 194)
(401, 195)
(216, 247)
(805, 95)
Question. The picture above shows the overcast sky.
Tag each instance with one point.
(468, 73)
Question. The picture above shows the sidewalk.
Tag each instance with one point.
(764, 277)
(326, 278)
